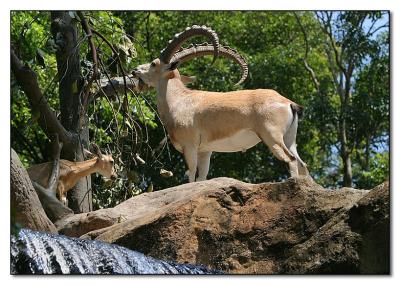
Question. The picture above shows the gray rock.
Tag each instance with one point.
(295, 227)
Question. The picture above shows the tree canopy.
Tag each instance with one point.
(335, 64)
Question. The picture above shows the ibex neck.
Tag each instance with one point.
(85, 168)
(169, 92)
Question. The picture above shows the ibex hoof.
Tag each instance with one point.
(64, 201)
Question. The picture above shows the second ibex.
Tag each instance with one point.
(201, 122)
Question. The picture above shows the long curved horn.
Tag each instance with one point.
(174, 44)
(195, 51)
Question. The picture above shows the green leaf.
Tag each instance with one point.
(166, 174)
(133, 176)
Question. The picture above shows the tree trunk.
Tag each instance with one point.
(344, 149)
(64, 31)
(367, 153)
(347, 171)
(54, 209)
(345, 155)
(25, 205)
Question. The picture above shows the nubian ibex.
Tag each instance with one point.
(201, 122)
(72, 172)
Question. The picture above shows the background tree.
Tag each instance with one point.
(70, 87)
(349, 44)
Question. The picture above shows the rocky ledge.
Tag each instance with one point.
(291, 227)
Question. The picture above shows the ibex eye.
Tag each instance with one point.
(153, 64)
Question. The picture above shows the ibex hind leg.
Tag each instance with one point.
(275, 143)
(302, 167)
(290, 141)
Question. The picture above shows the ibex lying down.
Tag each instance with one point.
(200, 122)
(71, 172)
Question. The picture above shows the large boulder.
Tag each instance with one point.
(138, 208)
(355, 240)
(294, 226)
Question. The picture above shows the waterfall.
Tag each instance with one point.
(34, 252)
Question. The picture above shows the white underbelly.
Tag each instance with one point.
(240, 141)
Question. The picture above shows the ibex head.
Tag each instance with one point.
(150, 73)
(105, 162)
(173, 55)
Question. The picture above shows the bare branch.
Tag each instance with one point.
(95, 75)
(138, 86)
(53, 208)
(27, 80)
(332, 69)
(386, 25)
(327, 29)
(55, 173)
(306, 65)
(361, 22)
(124, 76)
(89, 34)
(372, 26)
(112, 86)
(101, 92)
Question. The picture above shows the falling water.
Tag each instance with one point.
(42, 253)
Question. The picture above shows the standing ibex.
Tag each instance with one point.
(72, 172)
(200, 122)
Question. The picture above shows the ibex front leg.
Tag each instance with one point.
(62, 194)
(190, 154)
(203, 163)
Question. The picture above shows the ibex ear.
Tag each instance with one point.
(187, 79)
(173, 65)
(87, 153)
(96, 149)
